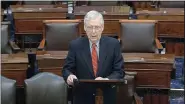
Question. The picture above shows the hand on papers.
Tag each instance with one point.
(70, 79)
(100, 78)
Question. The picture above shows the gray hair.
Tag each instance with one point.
(93, 15)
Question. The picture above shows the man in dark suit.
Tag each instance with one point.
(93, 57)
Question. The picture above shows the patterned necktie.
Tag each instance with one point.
(94, 59)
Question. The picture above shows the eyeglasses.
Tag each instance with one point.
(96, 28)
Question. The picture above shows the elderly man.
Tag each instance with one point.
(93, 57)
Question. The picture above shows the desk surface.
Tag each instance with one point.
(153, 69)
(128, 57)
(106, 10)
(163, 11)
(14, 58)
(26, 10)
(39, 8)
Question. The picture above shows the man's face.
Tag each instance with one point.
(94, 29)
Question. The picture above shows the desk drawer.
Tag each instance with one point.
(159, 79)
(49, 63)
(28, 26)
(171, 28)
(141, 66)
(36, 15)
(18, 75)
(15, 66)
(31, 25)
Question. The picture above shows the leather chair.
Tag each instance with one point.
(8, 91)
(139, 36)
(7, 46)
(57, 34)
(46, 88)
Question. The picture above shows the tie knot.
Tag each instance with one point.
(93, 45)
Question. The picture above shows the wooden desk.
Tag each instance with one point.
(105, 16)
(153, 75)
(109, 12)
(163, 14)
(170, 27)
(149, 65)
(171, 21)
(145, 5)
(154, 70)
(39, 6)
(29, 20)
(14, 66)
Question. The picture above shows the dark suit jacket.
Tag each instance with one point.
(78, 62)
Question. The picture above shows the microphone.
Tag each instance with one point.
(76, 82)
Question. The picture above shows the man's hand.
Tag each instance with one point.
(70, 79)
(100, 78)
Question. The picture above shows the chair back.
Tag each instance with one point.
(8, 91)
(5, 33)
(59, 33)
(46, 88)
(138, 36)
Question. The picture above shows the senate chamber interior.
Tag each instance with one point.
(35, 37)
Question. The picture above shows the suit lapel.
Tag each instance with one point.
(102, 55)
(87, 55)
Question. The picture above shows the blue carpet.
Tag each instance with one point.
(179, 100)
(178, 83)
(177, 97)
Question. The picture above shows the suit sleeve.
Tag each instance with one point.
(69, 65)
(118, 67)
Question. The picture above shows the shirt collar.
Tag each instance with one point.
(97, 43)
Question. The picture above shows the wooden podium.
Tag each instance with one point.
(119, 84)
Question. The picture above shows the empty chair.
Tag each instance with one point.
(58, 34)
(5, 48)
(46, 88)
(8, 91)
(139, 36)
